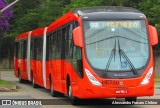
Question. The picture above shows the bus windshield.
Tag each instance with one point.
(121, 45)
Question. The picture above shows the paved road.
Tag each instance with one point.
(26, 91)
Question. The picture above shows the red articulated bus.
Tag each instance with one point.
(97, 52)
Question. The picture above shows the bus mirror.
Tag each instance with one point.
(77, 36)
(153, 35)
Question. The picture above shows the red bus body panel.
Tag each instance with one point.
(38, 73)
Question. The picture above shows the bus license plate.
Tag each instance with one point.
(121, 91)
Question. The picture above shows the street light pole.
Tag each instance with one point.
(8, 6)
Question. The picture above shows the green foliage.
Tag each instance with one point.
(49, 11)
(113, 2)
(151, 8)
(81, 3)
(25, 17)
(32, 14)
(157, 80)
(5, 83)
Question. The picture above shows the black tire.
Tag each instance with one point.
(53, 92)
(33, 82)
(74, 100)
(20, 79)
(131, 99)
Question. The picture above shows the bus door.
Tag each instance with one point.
(58, 60)
(52, 56)
(22, 61)
(33, 57)
(39, 51)
(63, 63)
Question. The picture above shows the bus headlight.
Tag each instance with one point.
(92, 79)
(147, 77)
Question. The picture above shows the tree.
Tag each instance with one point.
(81, 3)
(149, 7)
(5, 17)
(33, 14)
(152, 10)
(50, 10)
(4, 21)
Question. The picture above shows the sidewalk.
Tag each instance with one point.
(8, 88)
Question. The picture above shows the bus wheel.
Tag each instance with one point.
(33, 82)
(74, 100)
(131, 99)
(20, 79)
(53, 92)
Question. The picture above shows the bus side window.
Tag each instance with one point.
(71, 46)
(77, 61)
(16, 49)
(53, 50)
(76, 24)
(48, 45)
(24, 49)
(35, 49)
(19, 50)
(67, 42)
(64, 33)
(39, 48)
(58, 44)
(37, 45)
(32, 49)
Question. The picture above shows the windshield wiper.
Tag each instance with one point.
(123, 54)
(113, 53)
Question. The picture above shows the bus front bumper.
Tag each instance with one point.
(106, 92)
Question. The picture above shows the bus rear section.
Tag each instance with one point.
(117, 54)
(20, 57)
(28, 57)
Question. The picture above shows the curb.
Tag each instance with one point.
(8, 88)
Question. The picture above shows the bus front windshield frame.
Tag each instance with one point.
(121, 45)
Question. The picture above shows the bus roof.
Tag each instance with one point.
(62, 20)
(106, 9)
(22, 36)
(38, 32)
(109, 12)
